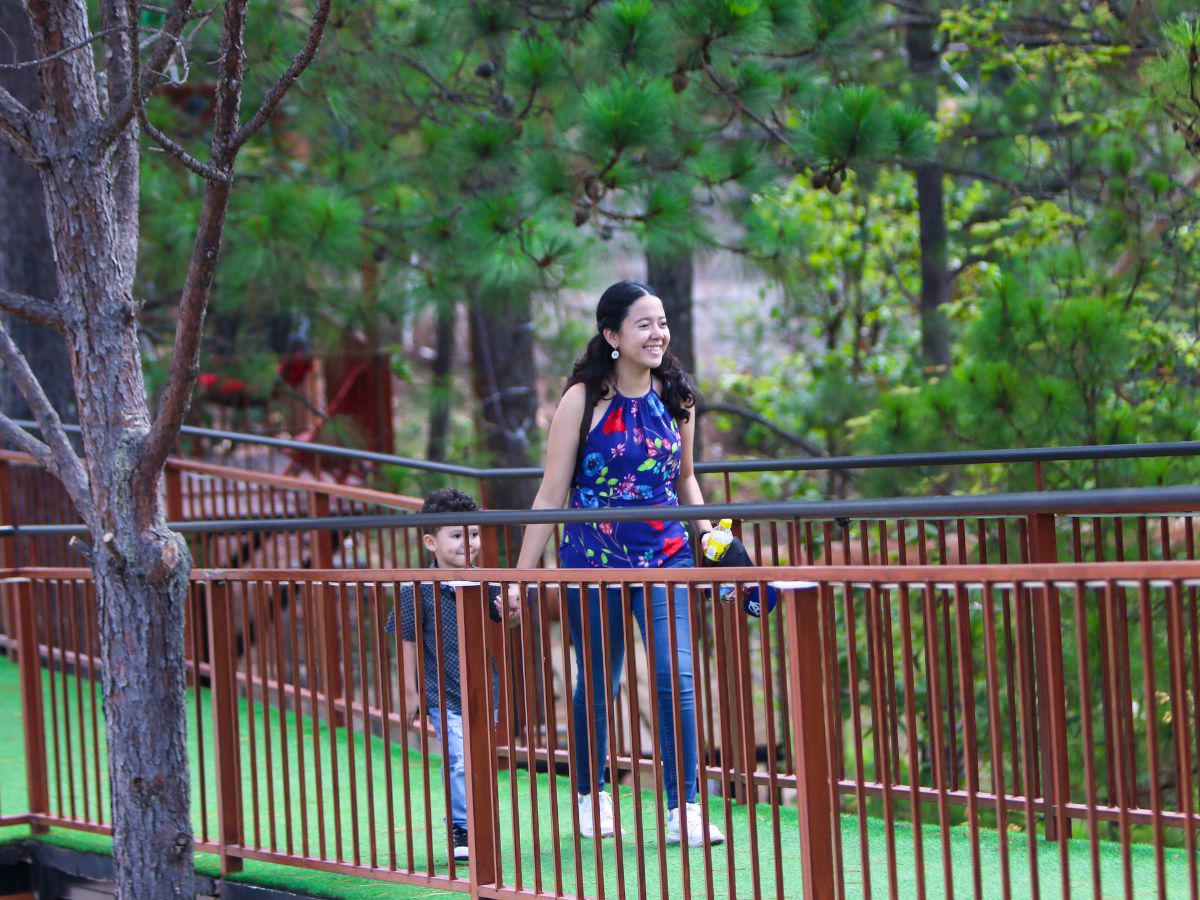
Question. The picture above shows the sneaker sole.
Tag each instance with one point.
(674, 842)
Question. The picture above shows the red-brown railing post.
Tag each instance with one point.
(737, 657)
(7, 544)
(810, 749)
(1048, 654)
(32, 709)
(489, 546)
(475, 670)
(490, 537)
(322, 558)
(732, 749)
(174, 483)
(8, 556)
(743, 699)
(224, 713)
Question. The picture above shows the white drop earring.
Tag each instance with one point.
(616, 354)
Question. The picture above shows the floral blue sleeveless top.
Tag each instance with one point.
(631, 458)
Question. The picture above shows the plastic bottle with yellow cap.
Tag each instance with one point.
(719, 540)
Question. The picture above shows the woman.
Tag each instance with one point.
(622, 436)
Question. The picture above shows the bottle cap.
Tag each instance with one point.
(725, 523)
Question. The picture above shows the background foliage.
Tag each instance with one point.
(452, 157)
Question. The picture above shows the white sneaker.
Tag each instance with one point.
(586, 824)
(695, 827)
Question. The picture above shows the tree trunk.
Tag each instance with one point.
(26, 257)
(84, 145)
(141, 642)
(141, 571)
(673, 276)
(935, 277)
(506, 390)
(440, 388)
(141, 568)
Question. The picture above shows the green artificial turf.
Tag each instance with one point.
(274, 810)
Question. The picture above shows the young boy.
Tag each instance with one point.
(450, 550)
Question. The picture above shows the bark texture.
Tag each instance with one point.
(440, 388)
(935, 276)
(673, 276)
(140, 572)
(26, 257)
(506, 390)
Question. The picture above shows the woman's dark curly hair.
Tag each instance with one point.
(595, 368)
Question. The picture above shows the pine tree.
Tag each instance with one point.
(491, 145)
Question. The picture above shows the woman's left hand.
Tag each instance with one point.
(512, 606)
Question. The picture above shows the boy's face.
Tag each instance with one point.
(449, 548)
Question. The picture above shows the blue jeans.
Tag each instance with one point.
(452, 755)
(663, 679)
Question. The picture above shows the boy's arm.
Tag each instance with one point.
(408, 672)
(494, 603)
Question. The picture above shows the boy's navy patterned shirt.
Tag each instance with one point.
(449, 626)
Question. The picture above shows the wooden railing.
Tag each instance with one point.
(947, 726)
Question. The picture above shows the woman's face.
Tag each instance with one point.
(644, 335)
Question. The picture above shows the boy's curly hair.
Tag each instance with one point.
(445, 500)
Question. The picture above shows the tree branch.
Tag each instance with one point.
(31, 309)
(744, 412)
(61, 460)
(1036, 129)
(736, 102)
(26, 442)
(78, 45)
(1154, 230)
(1050, 187)
(205, 170)
(227, 138)
(16, 127)
(123, 51)
(185, 360)
(123, 112)
(279, 90)
(970, 260)
(69, 101)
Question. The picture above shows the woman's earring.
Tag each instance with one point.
(616, 354)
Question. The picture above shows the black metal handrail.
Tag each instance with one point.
(1111, 501)
(787, 464)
